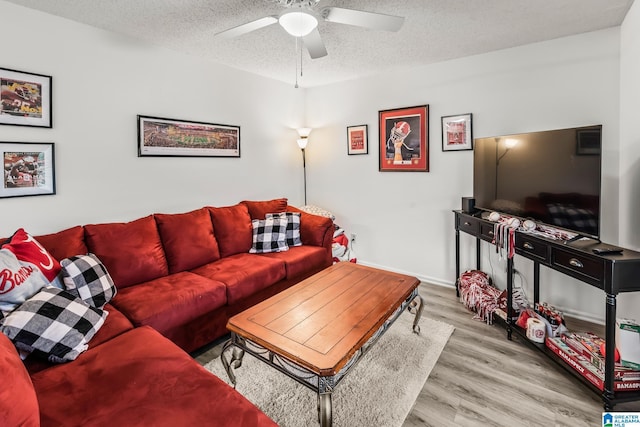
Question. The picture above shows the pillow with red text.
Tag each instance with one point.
(18, 281)
(29, 251)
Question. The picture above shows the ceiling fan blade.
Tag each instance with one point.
(315, 46)
(248, 27)
(375, 21)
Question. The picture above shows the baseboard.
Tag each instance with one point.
(580, 315)
(427, 279)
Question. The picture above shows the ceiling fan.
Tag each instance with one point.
(301, 20)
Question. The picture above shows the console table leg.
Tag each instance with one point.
(457, 262)
(610, 345)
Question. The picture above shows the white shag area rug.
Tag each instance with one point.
(379, 391)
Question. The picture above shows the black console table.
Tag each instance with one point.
(613, 274)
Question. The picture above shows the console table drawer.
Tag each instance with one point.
(469, 225)
(486, 231)
(532, 248)
(582, 265)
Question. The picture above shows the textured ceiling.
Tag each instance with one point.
(434, 30)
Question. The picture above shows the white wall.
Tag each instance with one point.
(101, 81)
(630, 144)
(403, 220)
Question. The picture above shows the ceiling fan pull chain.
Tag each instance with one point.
(296, 86)
(300, 59)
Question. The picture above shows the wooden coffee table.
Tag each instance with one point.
(318, 329)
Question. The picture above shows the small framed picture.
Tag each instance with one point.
(29, 169)
(25, 99)
(358, 139)
(403, 135)
(160, 137)
(457, 133)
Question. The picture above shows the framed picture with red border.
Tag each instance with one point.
(404, 139)
(358, 139)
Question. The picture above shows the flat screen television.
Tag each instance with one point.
(551, 177)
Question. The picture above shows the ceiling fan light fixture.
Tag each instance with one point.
(297, 23)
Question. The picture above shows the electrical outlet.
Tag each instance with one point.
(353, 237)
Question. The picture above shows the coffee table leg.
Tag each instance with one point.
(325, 409)
(418, 310)
(236, 359)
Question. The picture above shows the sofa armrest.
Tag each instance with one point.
(315, 230)
(18, 401)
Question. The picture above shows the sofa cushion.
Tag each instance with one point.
(244, 274)
(115, 324)
(131, 251)
(29, 251)
(18, 402)
(301, 260)
(259, 209)
(188, 239)
(140, 379)
(65, 243)
(232, 228)
(169, 301)
(54, 322)
(87, 278)
(18, 281)
(293, 226)
(269, 235)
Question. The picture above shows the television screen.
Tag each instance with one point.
(549, 176)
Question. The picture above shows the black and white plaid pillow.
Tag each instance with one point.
(54, 322)
(269, 235)
(87, 278)
(293, 226)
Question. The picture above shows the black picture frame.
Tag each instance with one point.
(25, 99)
(457, 132)
(29, 169)
(164, 137)
(357, 140)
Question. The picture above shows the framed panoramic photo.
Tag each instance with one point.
(404, 139)
(25, 99)
(457, 133)
(358, 139)
(29, 169)
(159, 136)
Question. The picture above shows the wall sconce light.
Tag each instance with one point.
(302, 143)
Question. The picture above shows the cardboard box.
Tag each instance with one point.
(592, 374)
(628, 342)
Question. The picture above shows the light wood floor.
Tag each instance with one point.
(483, 379)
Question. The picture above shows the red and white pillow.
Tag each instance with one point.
(28, 250)
(25, 268)
(18, 282)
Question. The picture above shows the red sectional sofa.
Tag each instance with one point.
(179, 278)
